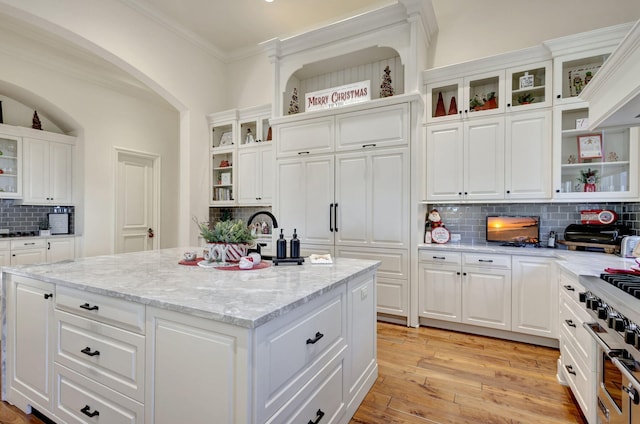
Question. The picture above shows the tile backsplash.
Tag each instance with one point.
(29, 218)
(469, 220)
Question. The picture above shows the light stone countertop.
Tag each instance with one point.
(243, 298)
(573, 261)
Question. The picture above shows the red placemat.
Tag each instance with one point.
(190, 263)
(261, 265)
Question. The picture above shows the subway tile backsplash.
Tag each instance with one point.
(469, 220)
(27, 217)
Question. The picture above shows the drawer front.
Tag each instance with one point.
(571, 319)
(379, 127)
(107, 354)
(394, 263)
(30, 243)
(580, 378)
(110, 310)
(5, 244)
(493, 261)
(305, 137)
(571, 288)
(78, 398)
(438, 257)
(325, 404)
(291, 351)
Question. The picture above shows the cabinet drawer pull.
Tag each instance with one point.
(569, 288)
(318, 336)
(368, 145)
(303, 153)
(570, 369)
(442, 258)
(89, 307)
(48, 295)
(486, 260)
(319, 416)
(570, 323)
(87, 351)
(28, 244)
(87, 411)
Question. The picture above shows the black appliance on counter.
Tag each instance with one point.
(596, 233)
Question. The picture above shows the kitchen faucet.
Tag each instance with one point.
(275, 225)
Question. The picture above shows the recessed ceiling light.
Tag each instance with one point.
(269, 1)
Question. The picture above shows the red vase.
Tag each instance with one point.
(589, 187)
(453, 107)
(440, 106)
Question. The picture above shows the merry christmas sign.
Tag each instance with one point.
(338, 96)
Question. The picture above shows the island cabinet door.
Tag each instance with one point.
(30, 334)
(197, 370)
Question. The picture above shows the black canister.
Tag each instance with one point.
(294, 251)
(281, 246)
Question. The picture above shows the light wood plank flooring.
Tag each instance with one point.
(428, 375)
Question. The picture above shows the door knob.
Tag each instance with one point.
(150, 232)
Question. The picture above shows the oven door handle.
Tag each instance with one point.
(588, 326)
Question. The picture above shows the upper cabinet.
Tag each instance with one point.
(488, 134)
(10, 166)
(36, 167)
(240, 153)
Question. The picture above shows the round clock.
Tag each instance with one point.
(607, 217)
(440, 235)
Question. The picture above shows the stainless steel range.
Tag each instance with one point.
(613, 300)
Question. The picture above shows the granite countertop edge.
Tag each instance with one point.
(247, 311)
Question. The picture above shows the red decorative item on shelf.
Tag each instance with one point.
(440, 106)
(453, 107)
(598, 216)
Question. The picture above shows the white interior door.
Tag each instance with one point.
(136, 202)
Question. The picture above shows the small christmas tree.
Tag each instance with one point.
(386, 90)
(293, 104)
(35, 123)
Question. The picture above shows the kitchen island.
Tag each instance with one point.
(138, 338)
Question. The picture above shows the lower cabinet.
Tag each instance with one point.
(577, 363)
(504, 292)
(115, 361)
(24, 251)
(466, 288)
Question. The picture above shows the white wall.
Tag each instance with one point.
(182, 72)
(108, 119)
(472, 29)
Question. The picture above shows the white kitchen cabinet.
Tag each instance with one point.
(305, 136)
(466, 288)
(615, 169)
(305, 198)
(30, 333)
(60, 249)
(372, 198)
(255, 176)
(47, 172)
(578, 353)
(10, 165)
(486, 290)
(529, 86)
(223, 176)
(528, 155)
(534, 287)
(28, 251)
(385, 126)
(440, 285)
(466, 160)
(5, 252)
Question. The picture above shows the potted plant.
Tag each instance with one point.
(525, 98)
(589, 178)
(232, 236)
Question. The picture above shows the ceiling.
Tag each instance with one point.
(236, 27)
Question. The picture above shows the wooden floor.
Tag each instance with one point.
(428, 375)
(435, 376)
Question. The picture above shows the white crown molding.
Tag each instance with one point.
(590, 40)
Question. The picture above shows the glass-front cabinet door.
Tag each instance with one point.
(593, 165)
(222, 177)
(10, 167)
(529, 87)
(573, 72)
